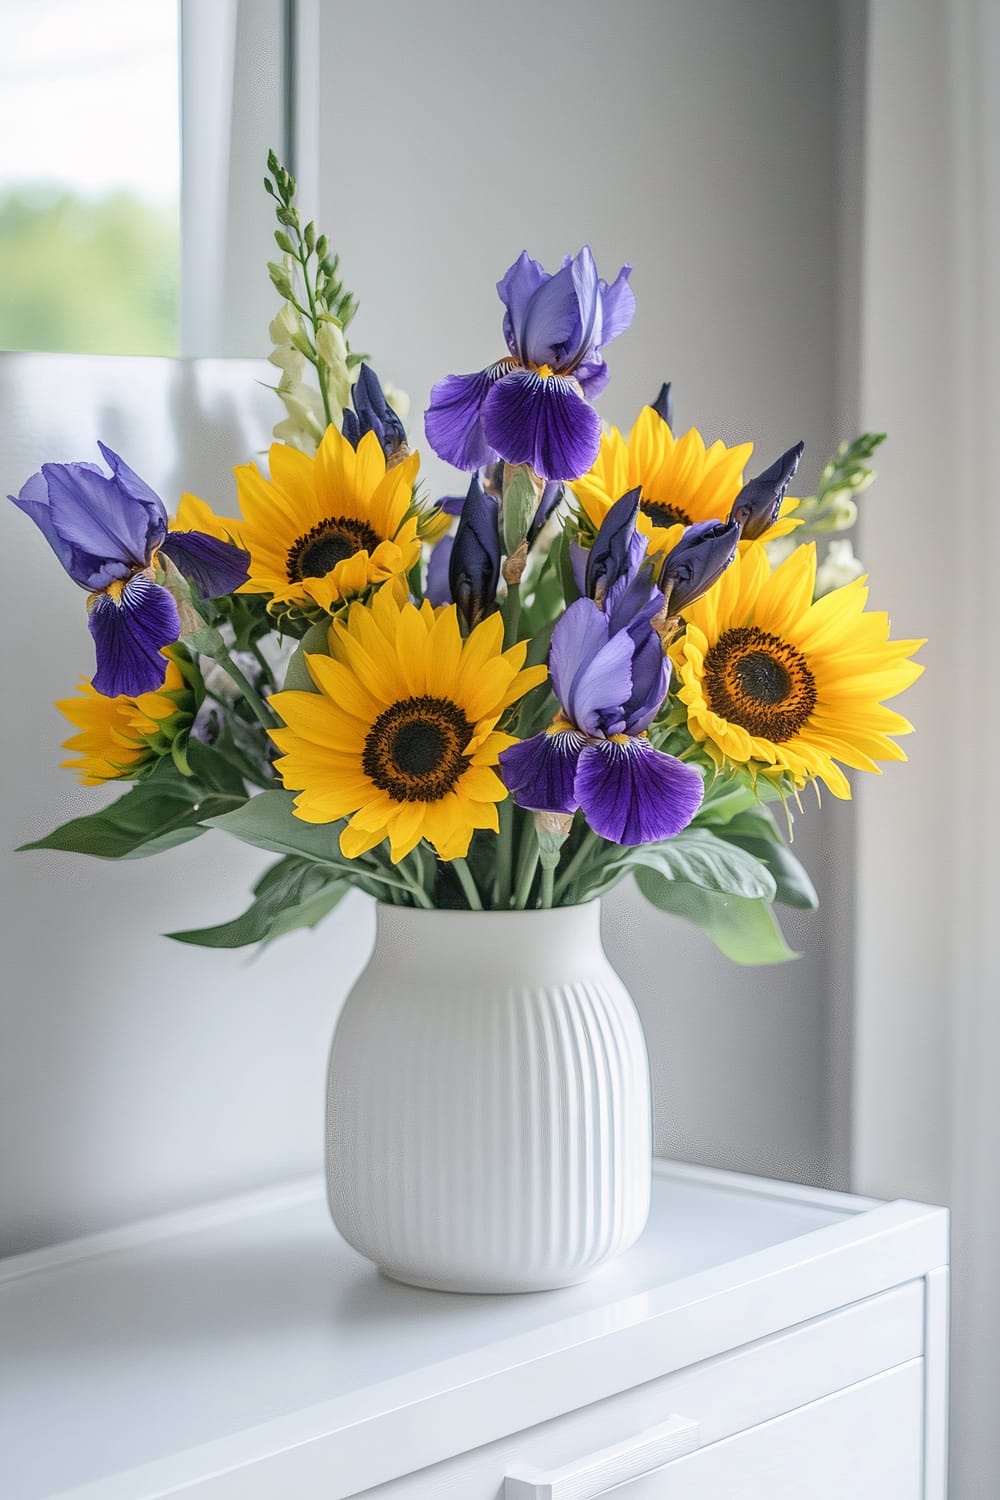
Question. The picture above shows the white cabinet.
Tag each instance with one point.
(761, 1342)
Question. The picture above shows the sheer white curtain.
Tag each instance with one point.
(234, 80)
(926, 1119)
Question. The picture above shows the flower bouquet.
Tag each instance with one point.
(607, 655)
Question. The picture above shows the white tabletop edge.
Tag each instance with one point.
(220, 1211)
(138, 1232)
(765, 1187)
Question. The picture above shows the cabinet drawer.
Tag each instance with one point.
(865, 1442)
(727, 1397)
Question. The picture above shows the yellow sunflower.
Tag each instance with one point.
(401, 736)
(323, 530)
(681, 480)
(120, 736)
(778, 683)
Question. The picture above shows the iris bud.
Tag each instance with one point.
(372, 413)
(756, 507)
(551, 496)
(698, 561)
(474, 565)
(664, 404)
(610, 555)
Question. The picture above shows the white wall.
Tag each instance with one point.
(135, 1074)
(697, 139)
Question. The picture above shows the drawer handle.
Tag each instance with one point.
(598, 1472)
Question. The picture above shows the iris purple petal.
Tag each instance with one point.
(515, 290)
(541, 421)
(129, 633)
(602, 687)
(650, 680)
(97, 518)
(88, 571)
(577, 638)
(541, 772)
(213, 566)
(633, 794)
(452, 422)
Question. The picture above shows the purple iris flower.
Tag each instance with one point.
(596, 756)
(697, 562)
(618, 548)
(552, 495)
(474, 560)
(372, 413)
(757, 505)
(106, 532)
(664, 404)
(533, 407)
(610, 676)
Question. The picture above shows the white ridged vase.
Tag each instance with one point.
(488, 1112)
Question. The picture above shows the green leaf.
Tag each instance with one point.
(297, 677)
(154, 816)
(214, 771)
(746, 931)
(725, 797)
(699, 858)
(755, 831)
(268, 821)
(293, 893)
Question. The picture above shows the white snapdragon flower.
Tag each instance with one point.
(331, 346)
(838, 567)
(303, 423)
(398, 399)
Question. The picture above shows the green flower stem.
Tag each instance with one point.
(414, 886)
(526, 867)
(576, 865)
(262, 662)
(468, 884)
(303, 259)
(510, 609)
(548, 879)
(505, 855)
(253, 698)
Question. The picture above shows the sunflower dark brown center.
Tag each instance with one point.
(413, 750)
(662, 514)
(760, 682)
(329, 542)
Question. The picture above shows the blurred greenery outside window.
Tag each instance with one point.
(90, 177)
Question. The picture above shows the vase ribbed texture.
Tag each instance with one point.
(488, 1105)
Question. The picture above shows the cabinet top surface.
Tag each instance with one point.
(253, 1316)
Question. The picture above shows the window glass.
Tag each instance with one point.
(89, 176)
